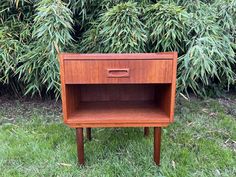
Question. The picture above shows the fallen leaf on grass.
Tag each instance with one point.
(64, 164)
(213, 114)
(186, 98)
(205, 110)
(173, 164)
(190, 123)
(218, 172)
(230, 144)
(227, 140)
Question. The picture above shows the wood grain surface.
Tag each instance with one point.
(96, 71)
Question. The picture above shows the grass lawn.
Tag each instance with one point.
(201, 142)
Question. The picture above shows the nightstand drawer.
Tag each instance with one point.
(117, 71)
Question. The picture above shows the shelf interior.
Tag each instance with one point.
(123, 103)
(116, 112)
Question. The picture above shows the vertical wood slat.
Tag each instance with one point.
(173, 86)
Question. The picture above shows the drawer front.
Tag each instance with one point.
(117, 71)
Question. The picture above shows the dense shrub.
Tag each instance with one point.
(51, 32)
(210, 53)
(167, 24)
(15, 27)
(33, 31)
(34, 59)
(119, 30)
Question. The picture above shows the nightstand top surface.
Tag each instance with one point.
(119, 56)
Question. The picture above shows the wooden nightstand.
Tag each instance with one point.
(118, 90)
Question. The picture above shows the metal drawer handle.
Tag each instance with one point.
(118, 72)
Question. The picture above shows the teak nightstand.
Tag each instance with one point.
(118, 90)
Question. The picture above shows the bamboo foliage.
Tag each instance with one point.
(204, 62)
(227, 17)
(18, 9)
(51, 32)
(33, 31)
(167, 24)
(10, 50)
(12, 47)
(117, 30)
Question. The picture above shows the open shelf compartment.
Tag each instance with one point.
(90, 104)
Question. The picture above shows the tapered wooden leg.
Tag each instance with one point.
(80, 145)
(88, 132)
(157, 144)
(146, 131)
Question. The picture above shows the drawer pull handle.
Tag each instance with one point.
(118, 72)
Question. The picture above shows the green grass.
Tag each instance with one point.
(201, 142)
